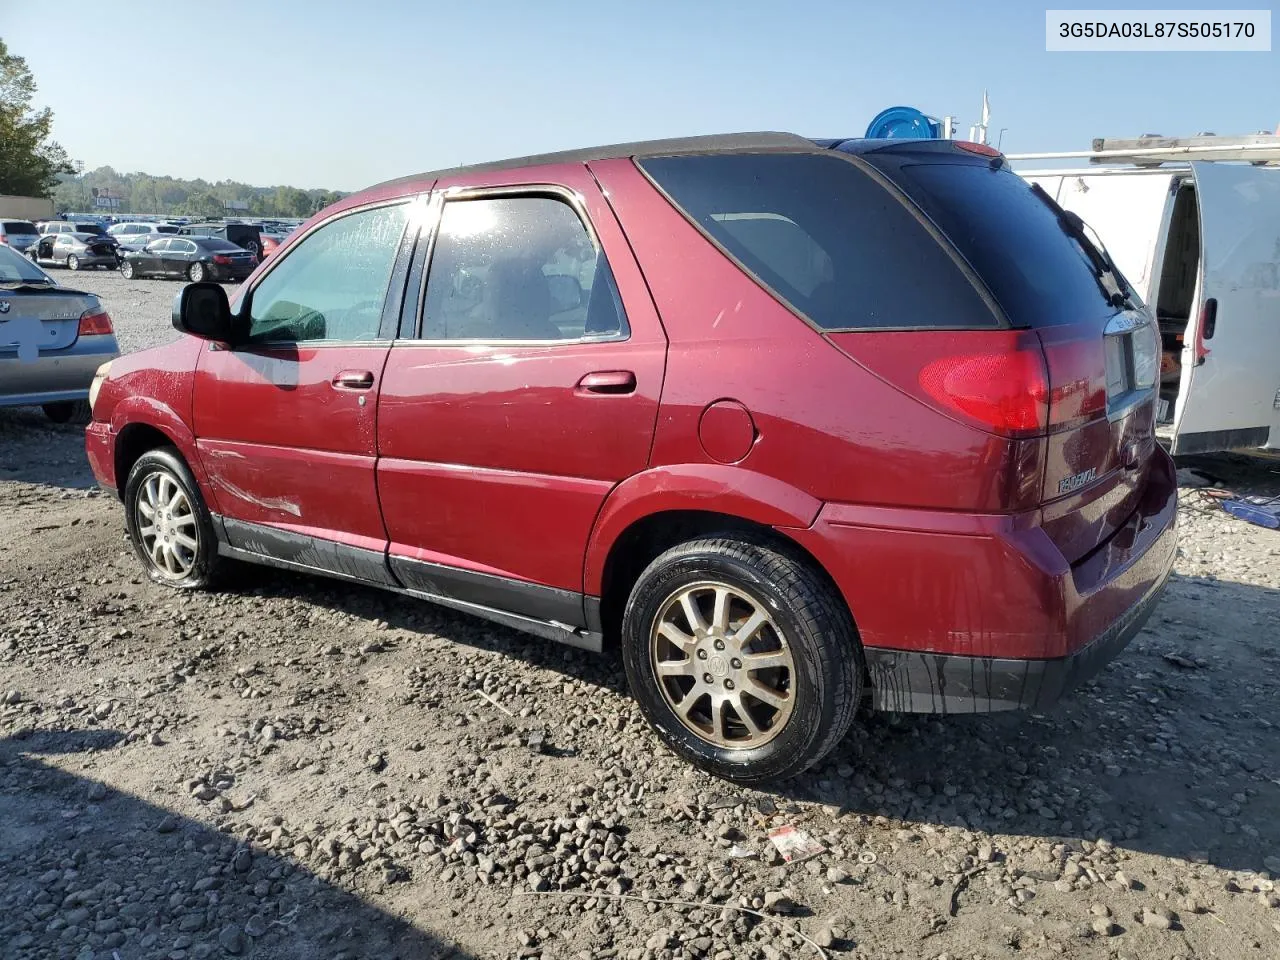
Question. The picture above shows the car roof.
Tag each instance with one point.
(714, 143)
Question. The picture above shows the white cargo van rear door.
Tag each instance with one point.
(1230, 390)
(1129, 211)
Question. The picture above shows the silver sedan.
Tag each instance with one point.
(52, 340)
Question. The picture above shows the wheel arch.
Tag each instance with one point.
(140, 425)
(654, 511)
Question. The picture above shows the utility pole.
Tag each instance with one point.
(79, 165)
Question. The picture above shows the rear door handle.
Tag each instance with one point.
(353, 380)
(608, 382)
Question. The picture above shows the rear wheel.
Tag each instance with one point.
(64, 411)
(742, 657)
(168, 522)
(196, 272)
(126, 269)
(73, 262)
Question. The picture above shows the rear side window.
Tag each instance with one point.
(825, 238)
(518, 268)
(1038, 274)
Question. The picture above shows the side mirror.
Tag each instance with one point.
(202, 310)
(566, 292)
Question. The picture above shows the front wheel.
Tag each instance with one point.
(742, 657)
(73, 262)
(168, 522)
(126, 269)
(197, 272)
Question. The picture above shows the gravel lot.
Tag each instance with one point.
(298, 768)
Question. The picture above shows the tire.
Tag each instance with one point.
(64, 411)
(197, 272)
(73, 262)
(126, 269)
(806, 621)
(160, 477)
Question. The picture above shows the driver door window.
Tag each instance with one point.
(332, 285)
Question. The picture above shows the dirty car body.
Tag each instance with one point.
(52, 339)
(798, 424)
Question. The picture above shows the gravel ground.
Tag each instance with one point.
(298, 768)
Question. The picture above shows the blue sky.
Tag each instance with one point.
(318, 93)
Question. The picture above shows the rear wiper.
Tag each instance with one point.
(1109, 278)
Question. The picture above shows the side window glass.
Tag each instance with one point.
(518, 268)
(333, 284)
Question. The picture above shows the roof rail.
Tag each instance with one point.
(1153, 151)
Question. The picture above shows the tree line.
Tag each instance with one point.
(143, 193)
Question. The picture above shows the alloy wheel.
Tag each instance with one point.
(166, 526)
(73, 262)
(723, 665)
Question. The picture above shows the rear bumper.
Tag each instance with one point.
(965, 613)
(55, 374)
(909, 682)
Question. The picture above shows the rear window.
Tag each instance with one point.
(217, 243)
(825, 238)
(19, 226)
(15, 268)
(166, 228)
(1037, 273)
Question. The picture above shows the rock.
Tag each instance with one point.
(986, 852)
(232, 940)
(155, 740)
(167, 825)
(823, 937)
(255, 926)
(836, 875)
(1104, 927)
(779, 901)
(103, 710)
(376, 762)
(97, 791)
(1157, 918)
(12, 697)
(1100, 910)
(204, 792)
(242, 862)
(538, 883)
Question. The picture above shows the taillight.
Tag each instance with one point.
(979, 148)
(4, 240)
(221, 258)
(94, 324)
(1006, 392)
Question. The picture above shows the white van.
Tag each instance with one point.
(1200, 241)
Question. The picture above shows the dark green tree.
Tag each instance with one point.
(30, 162)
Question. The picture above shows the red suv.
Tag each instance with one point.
(798, 424)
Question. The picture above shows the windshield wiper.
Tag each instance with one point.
(1114, 287)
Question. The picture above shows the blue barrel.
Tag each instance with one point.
(903, 123)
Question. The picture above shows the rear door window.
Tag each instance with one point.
(826, 238)
(1036, 271)
(518, 268)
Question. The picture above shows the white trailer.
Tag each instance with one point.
(25, 208)
(1194, 225)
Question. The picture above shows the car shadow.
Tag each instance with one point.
(87, 870)
(35, 450)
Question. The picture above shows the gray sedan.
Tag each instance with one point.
(75, 251)
(52, 340)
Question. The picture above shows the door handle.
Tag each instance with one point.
(608, 382)
(353, 380)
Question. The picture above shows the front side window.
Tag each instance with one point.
(332, 285)
(518, 268)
